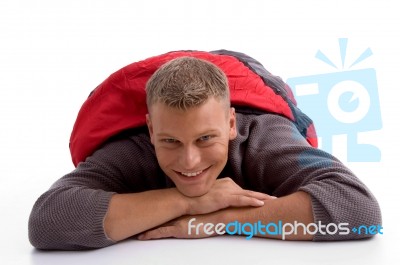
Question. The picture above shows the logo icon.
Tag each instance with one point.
(342, 102)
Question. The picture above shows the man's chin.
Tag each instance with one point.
(192, 192)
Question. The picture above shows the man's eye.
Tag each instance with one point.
(170, 140)
(205, 138)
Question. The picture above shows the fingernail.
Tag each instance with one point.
(274, 197)
(261, 203)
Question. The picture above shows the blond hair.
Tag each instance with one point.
(187, 82)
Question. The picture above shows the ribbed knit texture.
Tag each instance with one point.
(268, 155)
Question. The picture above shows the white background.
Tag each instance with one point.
(53, 53)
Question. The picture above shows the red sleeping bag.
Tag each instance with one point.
(119, 103)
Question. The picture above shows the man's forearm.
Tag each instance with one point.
(130, 214)
(288, 209)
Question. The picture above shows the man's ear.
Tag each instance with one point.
(232, 124)
(150, 127)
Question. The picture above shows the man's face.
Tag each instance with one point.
(192, 145)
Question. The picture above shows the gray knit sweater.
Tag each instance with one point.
(268, 155)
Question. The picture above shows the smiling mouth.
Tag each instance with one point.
(192, 174)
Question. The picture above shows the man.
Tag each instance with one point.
(199, 162)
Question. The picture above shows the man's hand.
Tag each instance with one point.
(133, 213)
(223, 194)
(287, 209)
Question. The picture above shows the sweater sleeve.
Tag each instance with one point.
(279, 161)
(70, 214)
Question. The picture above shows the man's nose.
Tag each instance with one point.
(190, 157)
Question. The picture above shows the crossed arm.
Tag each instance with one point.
(166, 213)
(100, 203)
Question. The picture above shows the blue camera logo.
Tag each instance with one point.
(345, 102)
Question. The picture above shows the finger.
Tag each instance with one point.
(258, 195)
(160, 232)
(241, 200)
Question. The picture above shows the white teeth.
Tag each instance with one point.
(191, 174)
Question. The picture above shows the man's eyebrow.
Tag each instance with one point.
(210, 131)
(205, 132)
(164, 135)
